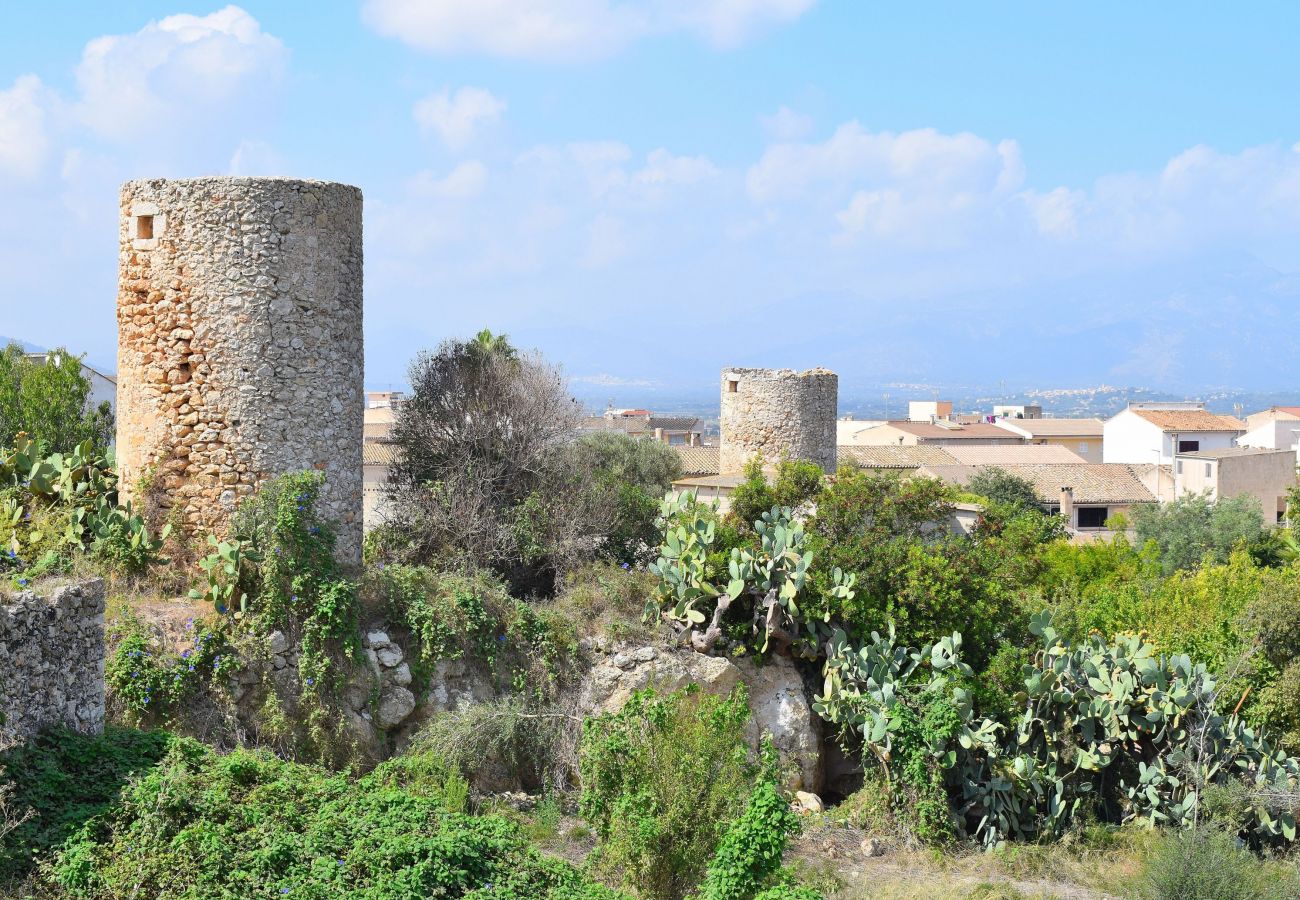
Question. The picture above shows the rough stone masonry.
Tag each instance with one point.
(240, 344)
(777, 414)
(52, 660)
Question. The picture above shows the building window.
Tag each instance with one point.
(1083, 447)
(1188, 446)
(1209, 470)
(1092, 516)
(733, 386)
(144, 228)
(1178, 467)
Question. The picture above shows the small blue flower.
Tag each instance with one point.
(191, 667)
(135, 674)
(185, 654)
(626, 566)
(22, 582)
(501, 637)
(310, 682)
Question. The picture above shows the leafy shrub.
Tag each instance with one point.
(747, 863)
(149, 682)
(1195, 528)
(607, 599)
(67, 780)
(50, 397)
(246, 824)
(796, 483)
(1208, 864)
(536, 744)
(660, 780)
(1000, 486)
(298, 587)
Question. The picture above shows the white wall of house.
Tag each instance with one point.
(1280, 434)
(1129, 438)
(1264, 476)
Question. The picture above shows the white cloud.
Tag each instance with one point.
(24, 139)
(786, 125)
(179, 74)
(567, 30)
(455, 118)
(924, 159)
(465, 181)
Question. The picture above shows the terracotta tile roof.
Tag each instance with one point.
(698, 460)
(380, 453)
(1092, 482)
(953, 431)
(674, 423)
(1189, 420)
(1012, 454)
(891, 456)
(1054, 427)
(1229, 452)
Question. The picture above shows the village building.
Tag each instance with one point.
(941, 432)
(1017, 411)
(1082, 437)
(1086, 495)
(1154, 433)
(675, 431)
(848, 428)
(1276, 428)
(1264, 474)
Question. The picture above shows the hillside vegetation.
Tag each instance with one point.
(1019, 714)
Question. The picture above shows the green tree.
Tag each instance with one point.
(1194, 528)
(623, 480)
(796, 482)
(1001, 486)
(49, 399)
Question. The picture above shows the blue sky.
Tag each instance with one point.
(1046, 194)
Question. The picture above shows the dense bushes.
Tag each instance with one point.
(247, 824)
(661, 779)
(50, 397)
(1111, 731)
(1194, 528)
(490, 472)
(66, 780)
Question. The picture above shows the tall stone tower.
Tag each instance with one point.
(240, 343)
(778, 414)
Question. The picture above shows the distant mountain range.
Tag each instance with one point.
(27, 346)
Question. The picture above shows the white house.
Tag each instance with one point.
(1154, 433)
(1276, 428)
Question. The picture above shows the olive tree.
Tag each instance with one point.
(49, 400)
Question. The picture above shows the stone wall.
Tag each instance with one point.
(52, 660)
(778, 414)
(240, 343)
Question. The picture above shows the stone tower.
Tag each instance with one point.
(778, 414)
(240, 343)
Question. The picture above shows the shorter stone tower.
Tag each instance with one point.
(240, 356)
(778, 414)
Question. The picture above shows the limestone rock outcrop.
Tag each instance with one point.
(777, 700)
